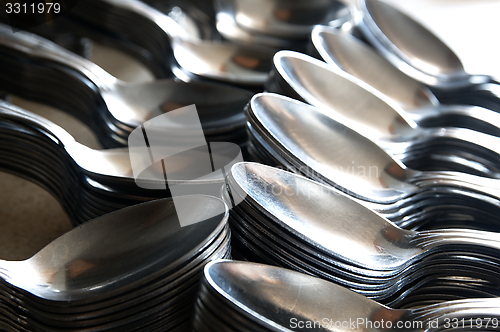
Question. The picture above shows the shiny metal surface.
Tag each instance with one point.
(413, 48)
(329, 219)
(95, 276)
(230, 30)
(150, 230)
(340, 156)
(99, 181)
(250, 290)
(215, 60)
(364, 109)
(347, 53)
(360, 210)
(326, 218)
(283, 19)
(308, 137)
(121, 106)
(288, 220)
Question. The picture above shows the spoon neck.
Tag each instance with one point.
(38, 123)
(466, 314)
(36, 48)
(458, 238)
(166, 23)
(469, 185)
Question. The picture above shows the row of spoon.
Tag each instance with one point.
(136, 269)
(284, 219)
(88, 182)
(236, 294)
(304, 139)
(40, 70)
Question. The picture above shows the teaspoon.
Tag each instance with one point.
(131, 104)
(413, 48)
(269, 298)
(346, 52)
(365, 110)
(343, 229)
(216, 60)
(337, 155)
(116, 261)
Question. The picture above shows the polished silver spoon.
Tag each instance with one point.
(309, 136)
(115, 164)
(367, 111)
(217, 60)
(413, 48)
(340, 227)
(347, 53)
(130, 103)
(284, 19)
(87, 262)
(278, 299)
(279, 24)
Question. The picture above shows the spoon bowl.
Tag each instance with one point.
(413, 48)
(69, 269)
(347, 53)
(213, 60)
(276, 299)
(364, 109)
(102, 181)
(301, 134)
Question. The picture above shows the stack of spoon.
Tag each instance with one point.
(88, 182)
(136, 269)
(415, 50)
(287, 220)
(278, 24)
(349, 54)
(236, 294)
(301, 138)
(370, 113)
(38, 69)
(171, 46)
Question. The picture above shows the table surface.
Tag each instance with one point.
(30, 218)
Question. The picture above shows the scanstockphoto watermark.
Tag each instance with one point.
(359, 324)
(170, 153)
(364, 324)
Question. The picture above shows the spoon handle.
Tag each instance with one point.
(473, 241)
(40, 124)
(485, 92)
(40, 49)
(472, 117)
(134, 7)
(487, 188)
(470, 140)
(470, 314)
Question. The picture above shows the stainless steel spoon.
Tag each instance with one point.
(215, 60)
(339, 156)
(130, 104)
(279, 24)
(277, 299)
(111, 163)
(343, 229)
(346, 52)
(413, 48)
(87, 260)
(365, 110)
(283, 19)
